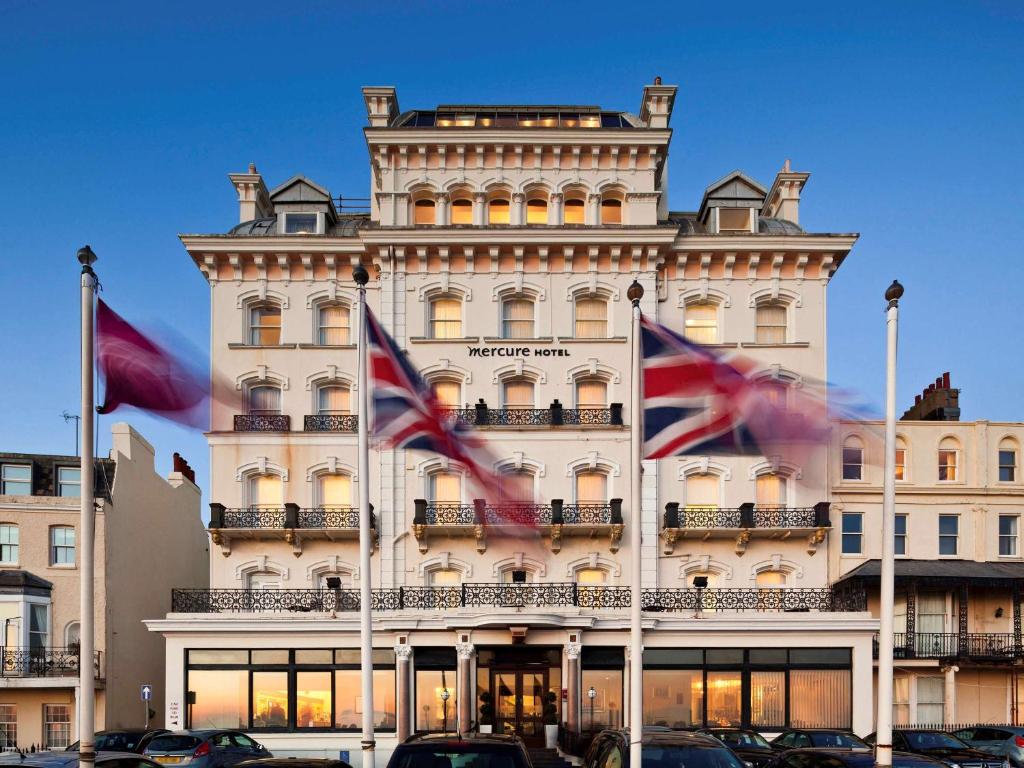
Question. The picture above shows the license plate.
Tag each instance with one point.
(168, 759)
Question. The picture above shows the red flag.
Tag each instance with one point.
(139, 372)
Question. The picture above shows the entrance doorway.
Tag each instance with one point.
(519, 703)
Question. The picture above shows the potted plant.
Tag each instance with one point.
(486, 712)
(550, 714)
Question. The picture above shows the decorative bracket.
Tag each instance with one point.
(815, 539)
(741, 542)
(556, 538)
(480, 533)
(616, 538)
(420, 532)
(670, 537)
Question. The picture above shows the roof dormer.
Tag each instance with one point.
(303, 207)
(731, 205)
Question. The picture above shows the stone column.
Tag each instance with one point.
(479, 209)
(465, 692)
(555, 209)
(404, 704)
(949, 699)
(572, 704)
(593, 210)
(517, 217)
(441, 209)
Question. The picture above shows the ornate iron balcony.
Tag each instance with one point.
(250, 422)
(747, 516)
(288, 517)
(515, 513)
(329, 517)
(19, 661)
(331, 422)
(950, 645)
(780, 516)
(556, 415)
(252, 517)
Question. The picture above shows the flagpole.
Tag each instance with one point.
(86, 680)
(883, 746)
(636, 664)
(361, 277)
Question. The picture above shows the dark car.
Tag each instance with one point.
(848, 758)
(1006, 740)
(798, 738)
(123, 740)
(661, 749)
(944, 747)
(294, 762)
(204, 748)
(445, 751)
(748, 745)
(65, 759)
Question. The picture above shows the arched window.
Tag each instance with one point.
(702, 322)
(611, 210)
(445, 317)
(901, 459)
(447, 392)
(770, 579)
(444, 577)
(444, 488)
(462, 211)
(591, 393)
(72, 634)
(517, 318)
(333, 324)
(770, 490)
(770, 319)
(8, 544)
(775, 391)
(591, 576)
(591, 487)
(265, 324)
(265, 492)
(517, 485)
(949, 460)
(515, 575)
(702, 491)
(574, 211)
(1008, 450)
(259, 581)
(517, 393)
(536, 211)
(712, 579)
(344, 579)
(853, 459)
(591, 318)
(498, 211)
(333, 399)
(264, 400)
(423, 211)
(333, 490)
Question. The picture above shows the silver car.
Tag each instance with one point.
(65, 759)
(1004, 740)
(204, 748)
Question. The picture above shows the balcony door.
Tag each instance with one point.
(519, 704)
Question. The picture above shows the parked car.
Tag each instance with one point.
(294, 762)
(65, 759)
(848, 758)
(123, 740)
(204, 748)
(440, 750)
(748, 745)
(661, 748)
(943, 747)
(795, 738)
(1005, 740)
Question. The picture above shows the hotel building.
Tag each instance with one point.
(500, 243)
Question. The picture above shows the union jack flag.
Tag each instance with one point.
(694, 401)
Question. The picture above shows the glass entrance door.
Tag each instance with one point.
(519, 699)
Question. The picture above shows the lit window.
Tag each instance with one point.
(574, 211)
(8, 545)
(591, 393)
(770, 579)
(265, 325)
(949, 534)
(462, 211)
(949, 460)
(498, 211)
(269, 700)
(611, 211)
(771, 323)
(334, 490)
(445, 488)
(591, 576)
(900, 535)
(536, 211)
(517, 393)
(447, 392)
(853, 533)
(62, 545)
(445, 318)
(333, 399)
(300, 223)
(445, 577)
(702, 491)
(333, 325)
(517, 485)
(264, 400)
(424, 212)
(591, 487)
(1007, 461)
(16, 479)
(1008, 525)
(8, 726)
(702, 323)
(591, 319)
(853, 459)
(265, 492)
(770, 490)
(901, 459)
(56, 726)
(733, 220)
(517, 319)
(313, 699)
(69, 481)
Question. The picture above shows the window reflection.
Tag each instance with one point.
(604, 709)
(767, 699)
(270, 700)
(432, 713)
(724, 698)
(674, 698)
(349, 699)
(313, 699)
(221, 698)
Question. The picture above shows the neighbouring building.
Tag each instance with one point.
(959, 556)
(149, 537)
(501, 242)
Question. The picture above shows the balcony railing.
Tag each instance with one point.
(251, 422)
(286, 517)
(549, 595)
(331, 422)
(950, 645)
(19, 661)
(747, 516)
(555, 415)
(481, 513)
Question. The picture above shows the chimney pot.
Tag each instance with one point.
(945, 379)
(252, 168)
(657, 80)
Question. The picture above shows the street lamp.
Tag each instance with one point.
(445, 695)
(592, 694)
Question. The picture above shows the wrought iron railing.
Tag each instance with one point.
(587, 514)
(254, 517)
(587, 416)
(251, 422)
(331, 422)
(536, 595)
(19, 661)
(279, 518)
(513, 513)
(747, 516)
(950, 645)
(450, 514)
(555, 415)
(708, 517)
(329, 517)
(781, 516)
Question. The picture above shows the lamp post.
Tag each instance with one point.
(635, 293)
(445, 695)
(591, 694)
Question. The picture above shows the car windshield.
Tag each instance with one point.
(174, 742)
(459, 756)
(837, 739)
(688, 757)
(742, 739)
(932, 740)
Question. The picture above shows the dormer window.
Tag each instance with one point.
(300, 224)
(734, 220)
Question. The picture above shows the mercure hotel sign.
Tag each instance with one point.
(516, 352)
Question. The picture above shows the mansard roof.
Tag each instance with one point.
(299, 189)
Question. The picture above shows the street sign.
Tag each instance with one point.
(147, 692)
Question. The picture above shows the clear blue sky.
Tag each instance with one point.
(120, 121)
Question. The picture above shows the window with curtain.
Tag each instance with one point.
(445, 318)
(424, 212)
(334, 490)
(39, 623)
(591, 318)
(1007, 461)
(949, 535)
(517, 393)
(702, 491)
(611, 211)
(725, 698)
(447, 392)
(931, 621)
(62, 545)
(770, 319)
(264, 400)
(574, 211)
(8, 544)
(591, 393)
(462, 211)
(69, 481)
(853, 459)
(265, 325)
(536, 211)
(517, 485)
(517, 318)
(901, 700)
(767, 699)
(9, 725)
(931, 694)
(853, 533)
(56, 726)
(901, 459)
(445, 488)
(701, 322)
(770, 490)
(1008, 535)
(498, 211)
(333, 399)
(265, 492)
(333, 325)
(591, 487)
(820, 698)
(949, 460)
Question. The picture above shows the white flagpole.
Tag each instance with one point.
(361, 277)
(636, 664)
(86, 528)
(883, 746)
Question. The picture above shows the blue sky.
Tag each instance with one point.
(120, 121)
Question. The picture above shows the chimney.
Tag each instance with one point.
(938, 402)
(182, 467)
(783, 199)
(253, 198)
(656, 104)
(381, 105)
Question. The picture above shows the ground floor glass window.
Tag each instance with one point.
(56, 726)
(674, 698)
(8, 726)
(820, 698)
(221, 698)
(604, 708)
(435, 711)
